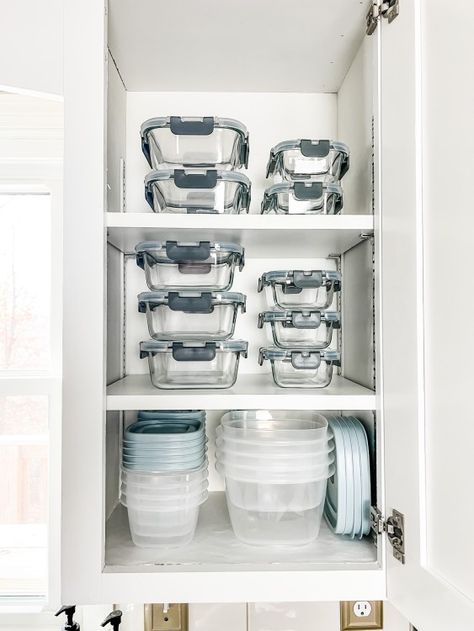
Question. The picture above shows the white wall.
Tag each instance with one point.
(31, 46)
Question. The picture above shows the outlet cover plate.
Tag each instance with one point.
(350, 621)
(166, 617)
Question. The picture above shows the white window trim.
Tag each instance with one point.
(35, 174)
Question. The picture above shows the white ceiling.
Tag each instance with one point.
(245, 45)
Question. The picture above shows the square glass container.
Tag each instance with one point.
(191, 315)
(301, 289)
(193, 365)
(300, 328)
(298, 368)
(303, 198)
(207, 141)
(197, 191)
(315, 160)
(203, 265)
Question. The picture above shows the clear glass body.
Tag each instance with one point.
(221, 148)
(295, 166)
(286, 375)
(167, 373)
(287, 204)
(308, 297)
(270, 528)
(216, 273)
(225, 198)
(165, 324)
(286, 336)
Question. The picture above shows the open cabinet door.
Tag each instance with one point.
(426, 257)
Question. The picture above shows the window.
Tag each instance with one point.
(30, 344)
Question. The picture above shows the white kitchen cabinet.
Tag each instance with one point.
(287, 70)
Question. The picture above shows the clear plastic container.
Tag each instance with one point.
(191, 315)
(274, 452)
(300, 368)
(195, 141)
(197, 191)
(191, 365)
(201, 265)
(302, 328)
(151, 492)
(303, 198)
(131, 499)
(274, 426)
(164, 480)
(288, 495)
(163, 528)
(267, 447)
(316, 160)
(301, 289)
(275, 528)
(272, 472)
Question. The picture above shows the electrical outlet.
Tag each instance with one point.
(166, 617)
(361, 614)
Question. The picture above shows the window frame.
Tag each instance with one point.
(33, 167)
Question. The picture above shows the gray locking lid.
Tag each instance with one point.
(309, 148)
(300, 318)
(299, 278)
(196, 178)
(273, 353)
(155, 346)
(190, 301)
(194, 126)
(214, 246)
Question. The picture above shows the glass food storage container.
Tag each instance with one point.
(179, 265)
(198, 191)
(191, 365)
(303, 198)
(316, 160)
(298, 289)
(308, 368)
(195, 141)
(300, 329)
(191, 315)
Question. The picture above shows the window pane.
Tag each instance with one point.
(21, 415)
(25, 251)
(23, 494)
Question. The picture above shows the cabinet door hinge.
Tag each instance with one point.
(388, 9)
(394, 526)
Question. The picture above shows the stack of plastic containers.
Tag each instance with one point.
(301, 326)
(190, 312)
(194, 162)
(307, 176)
(276, 466)
(164, 476)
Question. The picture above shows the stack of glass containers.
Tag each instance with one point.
(194, 162)
(190, 311)
(276, 466)
(301, 324)
(307, 176)
(164, 476)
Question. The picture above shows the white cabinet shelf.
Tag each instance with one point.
(331, 562)
(135, 392)
(262, 235)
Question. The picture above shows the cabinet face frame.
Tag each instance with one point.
(84, 578)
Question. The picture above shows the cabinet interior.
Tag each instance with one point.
(327, 95)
